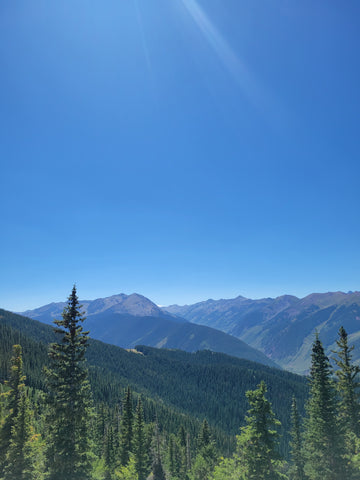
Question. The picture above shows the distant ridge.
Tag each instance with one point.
(283, 327)
(134, 304)
(129, 320)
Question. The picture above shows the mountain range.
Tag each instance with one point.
(130, 320)
(177, 387)
(274, 331)
(284, 327)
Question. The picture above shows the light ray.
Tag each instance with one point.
(246, 80)
(143, 39)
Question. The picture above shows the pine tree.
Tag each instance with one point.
(140, 453)
(206, 457)
(257, 443)
(347, 385)
(126, 428)
(157, 468)
(20, 457)
(109, 454)
(323, 437)
(182, 436)
(204, 438)
(68, 454)
(13, 397)
(297, 469)
(175, 459)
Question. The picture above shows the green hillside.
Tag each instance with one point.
(199, 385)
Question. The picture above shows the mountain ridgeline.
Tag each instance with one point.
(202, 384)
(75, 417)
(129, 320)
(283, 328)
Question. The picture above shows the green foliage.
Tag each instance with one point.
(157, 467)
(324, 441)
(127, 472)
(126, 428)
(347, 385)
(140, 451)
(229, 469)
(20, 454)
(13, 396)
(177, 387)
(69, 398)
(206, 457)
(172, 388)
(297, 468)
(257, 443)
(110, 453)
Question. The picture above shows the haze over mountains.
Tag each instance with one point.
(130, 320)
(283, 328)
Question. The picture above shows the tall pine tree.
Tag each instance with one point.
(297, 468)
(13, 398)
(347, 385)
(20, 456)
(140, 453)
(68, 454)
(157, 468)
(126, 428)
(257, 443)
(324, 441)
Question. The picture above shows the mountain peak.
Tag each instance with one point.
(133, 304)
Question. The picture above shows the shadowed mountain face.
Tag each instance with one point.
(129, 320)
(283, 328)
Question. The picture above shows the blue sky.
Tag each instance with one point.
(182, 149)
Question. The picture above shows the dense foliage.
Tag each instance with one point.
(141, 415)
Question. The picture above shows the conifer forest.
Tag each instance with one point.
(67, 420)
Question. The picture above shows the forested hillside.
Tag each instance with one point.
(166, 413)
(204, 384)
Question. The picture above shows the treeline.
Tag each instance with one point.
(55, 430)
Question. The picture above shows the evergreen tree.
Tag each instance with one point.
(127, 472)
(182, 436)
(126, 428)
(13, 397)
(204, 438)
(188, 453)
(257, 443)
(347, 385)
(175, 459)
(157, 468)
(323, 438)
(20, 458)
(206, 457)
(140, 453)
(68, 453)
(109, 454)
(297, 469)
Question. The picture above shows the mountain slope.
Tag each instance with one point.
(134, 304)
(283, 328)
(204, 384)
(120, 320)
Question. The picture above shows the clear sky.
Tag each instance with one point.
(181, 149)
